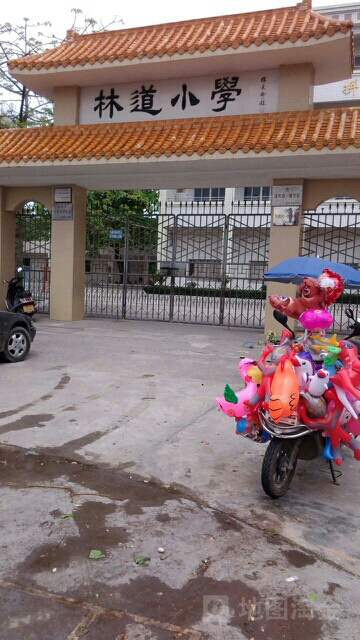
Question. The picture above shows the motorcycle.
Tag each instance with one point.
(18, 299)
(302, 397)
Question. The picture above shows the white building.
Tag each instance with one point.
(246, 241)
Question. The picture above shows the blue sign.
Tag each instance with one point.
(116, 234)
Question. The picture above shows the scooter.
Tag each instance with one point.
(19, 300)
(306, 403)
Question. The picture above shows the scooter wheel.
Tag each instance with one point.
(279, 466)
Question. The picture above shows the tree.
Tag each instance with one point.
(20, 107)
(107, 212)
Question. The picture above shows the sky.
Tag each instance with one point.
(135, 13)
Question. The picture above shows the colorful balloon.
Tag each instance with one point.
(316, 319)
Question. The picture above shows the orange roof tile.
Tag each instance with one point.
(292, 130)
(299, 22)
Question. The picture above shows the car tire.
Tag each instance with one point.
(17, 345)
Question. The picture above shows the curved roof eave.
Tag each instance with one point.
(226, 170)
(311, 141)
(317, 53)
(284, 29)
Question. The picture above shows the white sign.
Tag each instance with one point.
(232, 94)
(342, 91)
(62, 211)
(286, 216)
(288, 195)
(62, 194)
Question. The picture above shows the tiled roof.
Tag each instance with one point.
(294, 130)
(295, 23)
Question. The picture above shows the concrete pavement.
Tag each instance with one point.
(132, 403)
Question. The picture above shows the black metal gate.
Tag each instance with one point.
(191, 263)
(33, 251)
(332, 231)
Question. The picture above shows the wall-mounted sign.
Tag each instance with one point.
(342, 91)
(288, 195)
(286, 216)
(225, 94)
(116, 234)
(62, 194)
(62, 211)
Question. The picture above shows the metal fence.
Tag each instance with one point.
(33, 251)
(332, 231)
(191, 263)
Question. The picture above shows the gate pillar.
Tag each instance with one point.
(7, 247)
(68, 240)
(285, 242)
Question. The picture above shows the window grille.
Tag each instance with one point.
(257, 269)
(205, 268)
(257, 193)
(215, 193)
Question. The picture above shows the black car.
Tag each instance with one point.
(16, 335)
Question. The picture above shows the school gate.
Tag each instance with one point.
(192, 267)
(220, 101)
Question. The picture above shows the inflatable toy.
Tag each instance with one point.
(303, 392)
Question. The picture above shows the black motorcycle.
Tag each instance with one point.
(18, 299)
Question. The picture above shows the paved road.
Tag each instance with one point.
(111, 441)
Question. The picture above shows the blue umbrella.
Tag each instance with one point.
(295, 269)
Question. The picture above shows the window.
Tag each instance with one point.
(256, 269)
(348, 16)
(215, 193)
(205, 268)
(257, 193)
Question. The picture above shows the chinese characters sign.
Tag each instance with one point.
(286, 216)
(342, 91)
(286, 201)
(236, 93)
(288, 195)
(351, 88)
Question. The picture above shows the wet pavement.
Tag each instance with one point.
(130, 510)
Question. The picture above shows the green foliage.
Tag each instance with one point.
(108, 210)
(34, 223)
(155, 277)
(96, 554)
(351, 297)
(207, 292)
(137, 201)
